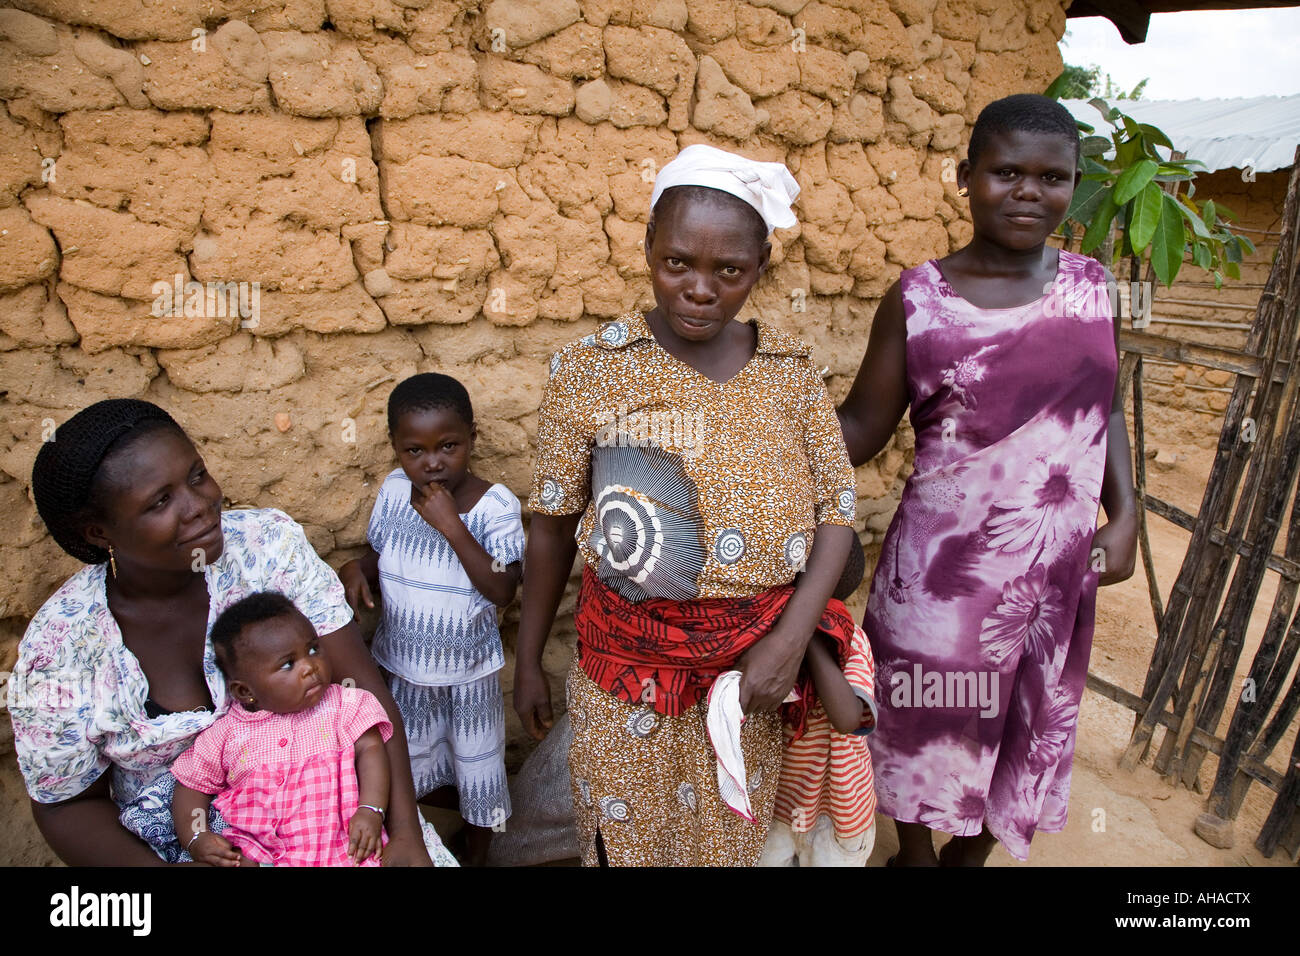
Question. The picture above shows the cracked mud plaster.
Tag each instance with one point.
(442, 185)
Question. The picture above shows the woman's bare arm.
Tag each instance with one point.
(771, 666)
(548, 559)
(85, 830)
(876, 402)
(1117, 538)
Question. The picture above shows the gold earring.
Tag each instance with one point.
(112, 561)
(961, 190)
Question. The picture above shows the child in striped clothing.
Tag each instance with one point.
(826, 799)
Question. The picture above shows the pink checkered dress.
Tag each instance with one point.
(286, 783)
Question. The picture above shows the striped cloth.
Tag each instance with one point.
(828, 773)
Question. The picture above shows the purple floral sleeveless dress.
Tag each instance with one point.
(981, 608)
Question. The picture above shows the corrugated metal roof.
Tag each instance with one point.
(1257, 131)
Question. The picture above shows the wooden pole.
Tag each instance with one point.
(1284, 458)
(1140, 480)
(1174, 639)
(1257, 519)
(1283, 824)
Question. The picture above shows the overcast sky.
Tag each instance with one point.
(1202, 54)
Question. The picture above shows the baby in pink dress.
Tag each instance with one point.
(297, 765)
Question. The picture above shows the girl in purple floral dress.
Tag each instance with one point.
(981, 608)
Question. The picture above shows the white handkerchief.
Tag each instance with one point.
(724, 722)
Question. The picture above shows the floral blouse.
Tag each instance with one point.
(77, 694)
(690, 488)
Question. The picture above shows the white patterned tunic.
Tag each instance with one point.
(437, 629)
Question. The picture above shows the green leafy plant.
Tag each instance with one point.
(1084, 82)
(1123, 173)
(1078, 82)
(1115, 91)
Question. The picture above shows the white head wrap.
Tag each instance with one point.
(768, 187)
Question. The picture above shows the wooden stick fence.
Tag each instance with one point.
(1200, 629)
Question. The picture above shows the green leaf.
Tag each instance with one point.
(1225, 213)
(1124, 248)
(1087, 200)
(1247, 244)
(1108, 112)
(1201, 256)
(1168, 241)
(1094, 145)
(1060, 83)
(1129, 153)
(1147, 206)
(1155, 136)
(1193, 220)
(1099, 226)
(1218, 279)
(1233, 270)
(1133, 180)
(1093, 168)
(1232, 251)
(1207, 212)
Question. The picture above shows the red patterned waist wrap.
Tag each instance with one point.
(666, 654)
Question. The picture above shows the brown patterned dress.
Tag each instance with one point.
(689, 488)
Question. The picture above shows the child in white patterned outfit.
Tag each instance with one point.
(445, 552)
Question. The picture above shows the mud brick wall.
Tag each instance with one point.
(449, 185)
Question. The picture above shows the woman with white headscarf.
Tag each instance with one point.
(697, 463)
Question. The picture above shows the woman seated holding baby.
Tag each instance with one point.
(117, 675)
